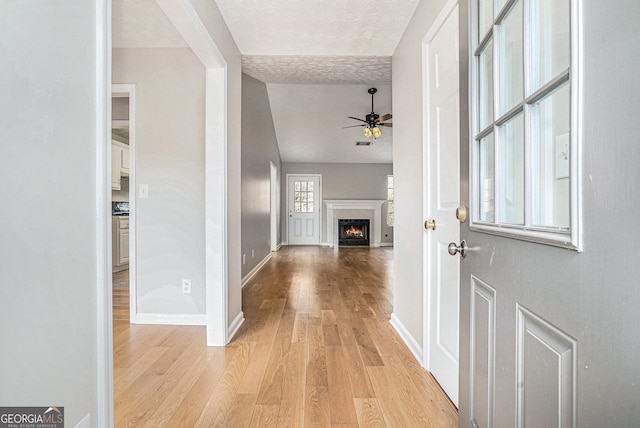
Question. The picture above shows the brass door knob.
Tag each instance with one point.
(461, 213)
(430, 224)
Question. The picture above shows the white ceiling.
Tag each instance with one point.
(318, 58)
(310, 119)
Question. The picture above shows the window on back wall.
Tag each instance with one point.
(390, 200)
(525, 99)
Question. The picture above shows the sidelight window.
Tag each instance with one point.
(525, 100)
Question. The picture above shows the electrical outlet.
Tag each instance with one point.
(186, 286)
(253, 253)
(244, 259)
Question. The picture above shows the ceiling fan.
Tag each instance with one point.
(372, 121)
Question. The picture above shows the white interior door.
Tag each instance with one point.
(442, 197)
(304, 204)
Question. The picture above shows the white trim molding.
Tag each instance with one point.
(248, 277)
(235, 326)
(407, 338)
(355, 204)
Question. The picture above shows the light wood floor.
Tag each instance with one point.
(316, 350)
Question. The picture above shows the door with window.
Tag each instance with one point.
(519, 287)
(304, 203)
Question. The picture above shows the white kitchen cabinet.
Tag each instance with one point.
(119, 163)
(116, 178)
(120, 234)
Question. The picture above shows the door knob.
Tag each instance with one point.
(430, 224)
(462, 248)
(461, 213)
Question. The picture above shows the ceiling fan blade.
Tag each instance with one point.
(356, 118)
(352, 126)
(383, 118)
(388, 125)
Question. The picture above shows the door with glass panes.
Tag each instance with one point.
(518, 346)
(304, 204)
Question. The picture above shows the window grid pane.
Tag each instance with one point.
(550, 119)
(485, 112)
(550, 40)
(510, 60)
(486, 178)
(511, 171)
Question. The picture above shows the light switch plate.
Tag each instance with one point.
(144, 191)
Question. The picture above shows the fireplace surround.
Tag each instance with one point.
(336, 208)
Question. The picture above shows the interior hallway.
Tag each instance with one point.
(316, 349)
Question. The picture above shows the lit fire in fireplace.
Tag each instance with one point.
(353, 232)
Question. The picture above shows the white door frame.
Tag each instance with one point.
(129, 91)
(275, 193)
(319, 202)
(427, 340)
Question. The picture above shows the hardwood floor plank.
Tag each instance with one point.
(316, 361)
(331, 335)
(241, 410)
(221, 398)
(369, 414)
(340, 394)
(317, 412)
(265, 416)
(291, 412)
(252, 380)
(271, 388)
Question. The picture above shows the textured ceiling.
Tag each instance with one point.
(318, 69)
(317, 27)
(142, 24)
(309, 121)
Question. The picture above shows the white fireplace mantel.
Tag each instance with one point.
(354, 204)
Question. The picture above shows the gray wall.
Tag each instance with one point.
(49, 265)
(259, 148)
(343, 181)
(170, 86)
(407, 160)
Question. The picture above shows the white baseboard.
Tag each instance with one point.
(171, 319)
(386, 244)
(255, 270)
(279, 246)
(284, 243)
(407, 338)
(327, 244)
(235, 325)
(84, 422)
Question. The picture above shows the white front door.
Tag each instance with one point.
(442, 197)
(304, 204)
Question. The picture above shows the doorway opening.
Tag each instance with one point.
(123, 146)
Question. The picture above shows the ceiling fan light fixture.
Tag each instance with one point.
(376, 132)
(367, 132)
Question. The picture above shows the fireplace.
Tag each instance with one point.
(353, 232)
